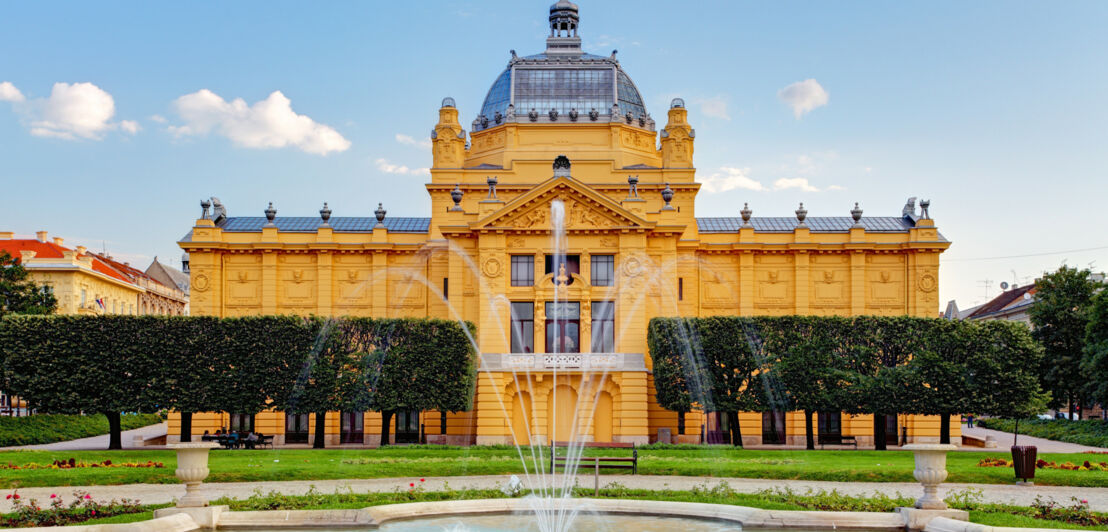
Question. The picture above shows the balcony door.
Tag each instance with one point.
(563, 327)
(352, 428)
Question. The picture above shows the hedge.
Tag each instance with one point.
(860, 364)
(1091, 432)
(50, 428)
(113, 364)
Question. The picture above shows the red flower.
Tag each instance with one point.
(9, 496)
(15, 496)
(412, 484)
(423, 480)
(94, 512)
(87, 496)
(53, 495)
(1084, 501)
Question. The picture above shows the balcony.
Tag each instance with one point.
(576, 362)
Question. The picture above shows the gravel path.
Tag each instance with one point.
(162, 493)
(1004, 441)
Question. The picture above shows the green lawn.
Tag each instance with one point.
(280, 464)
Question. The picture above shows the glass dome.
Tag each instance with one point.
(562, 80)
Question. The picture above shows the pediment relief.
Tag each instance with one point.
(584, 210)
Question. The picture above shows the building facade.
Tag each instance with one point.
(566, 129)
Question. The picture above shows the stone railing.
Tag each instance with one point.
(563, 361)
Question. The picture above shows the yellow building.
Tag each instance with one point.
(570, 127)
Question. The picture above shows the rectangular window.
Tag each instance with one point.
(603, 327)
(563, 327)
(523, 327)
(572, 266)
(680, 288)
(603, 270)
(445, 288)
(84, 297)
(523, 270)
(242, 423)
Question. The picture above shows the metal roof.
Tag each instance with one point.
(816, 224)
(309, 224)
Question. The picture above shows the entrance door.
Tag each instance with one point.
(296, 428)
(561, 413)
(773, 427)
(352, 428)
(891, 433)
(407, 426)
(830, 427)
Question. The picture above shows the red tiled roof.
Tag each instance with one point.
(1002, 301)
(124, 269)
(50, 250)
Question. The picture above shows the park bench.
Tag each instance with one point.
(597, 462)
(832, 439)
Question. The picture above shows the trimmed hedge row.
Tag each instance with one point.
(50, 428)
(113, 364)
(1092, 432)
(860, 364)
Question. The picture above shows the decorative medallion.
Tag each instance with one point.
(928, 283)
(632, 267)
(491, 267)
(201, 282)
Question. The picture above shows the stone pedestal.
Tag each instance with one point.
(192, 469)
(206, 517)
(930, 471)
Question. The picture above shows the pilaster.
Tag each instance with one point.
(324, 283)
(379, 283)
(858, 283)
(269, 282)
(746, 283)
(802, 286)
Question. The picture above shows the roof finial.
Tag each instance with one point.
(564, 20)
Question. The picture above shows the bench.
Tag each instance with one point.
(837, 440)
(597, 462)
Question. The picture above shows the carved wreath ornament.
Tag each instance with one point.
(928, 282)
(491, 267)
(200, 283)
(632, 267)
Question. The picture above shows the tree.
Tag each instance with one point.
(1003, 375)
(880, 347)
(329, 377)
(194, 375)
(18, 293)
(1095, 360)
(1060, 319)
(78, 364)
(411, 364)
(939, 374)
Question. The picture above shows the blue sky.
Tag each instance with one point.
(996, 111)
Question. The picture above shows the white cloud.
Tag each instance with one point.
(158, 118)
(836, 187)
(389, 168)
(729, 178)
(129, 126)
(73, 110)
(269, 123)
(804, 96)
(408, 140)
(715, 107)
(801, 183)
(8, 93)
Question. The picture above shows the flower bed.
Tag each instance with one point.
(29, 513)
(72, 463)
(1043, 464)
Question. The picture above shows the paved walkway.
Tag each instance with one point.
(100, 443)
(163, 493)
(1004, 442)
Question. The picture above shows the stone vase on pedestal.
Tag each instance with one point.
(192, 469)
(930, 471)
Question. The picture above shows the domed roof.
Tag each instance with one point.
(562, 83)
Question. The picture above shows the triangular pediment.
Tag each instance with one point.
(585, 210)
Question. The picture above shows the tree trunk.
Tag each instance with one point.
(386, 424)
(320, 430)
(115, 433)
(944, 428)
(736, 430)
(809, 433)
(186, 427)
(879, 422)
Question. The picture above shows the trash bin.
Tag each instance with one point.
(1024, 458)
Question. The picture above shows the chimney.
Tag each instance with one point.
(7, 235)
(41, 235)
(81, 250)
(59, 241)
